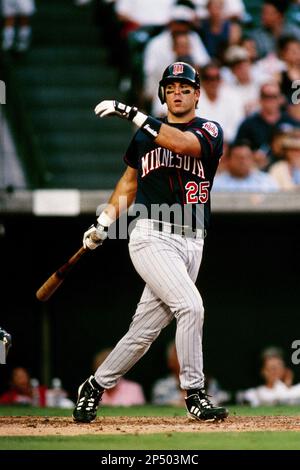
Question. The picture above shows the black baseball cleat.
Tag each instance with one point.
(89, 397)
(199, 407)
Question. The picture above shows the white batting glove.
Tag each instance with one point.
(94, 236)
(115, 108)
(149, 125)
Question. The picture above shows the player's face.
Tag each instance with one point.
(181, 98)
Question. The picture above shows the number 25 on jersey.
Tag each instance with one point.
(197, 192)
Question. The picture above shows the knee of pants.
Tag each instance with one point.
(191, 307)
(147, 337)
(142, 338)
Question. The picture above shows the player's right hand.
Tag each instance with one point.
(94, 236)
(115, 108)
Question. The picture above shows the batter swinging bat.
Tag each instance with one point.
(54, 281)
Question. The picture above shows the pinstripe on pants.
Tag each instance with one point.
(169, 265)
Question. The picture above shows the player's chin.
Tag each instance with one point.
(179, 112)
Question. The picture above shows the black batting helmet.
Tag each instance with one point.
(179, 72)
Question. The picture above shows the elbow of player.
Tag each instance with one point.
(184, 145)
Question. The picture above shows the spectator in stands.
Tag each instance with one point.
(276, 151)
(125, 393)
(167, 391)
(136, 13)
(25, 390)
(242, 78)
(287, 172)
(216, 31)
(289, 53)
(277, 388)
(182, 48)
(21, 390)
(159, 52)
(264, 70)
(273, 26)
(260, 126)
(287, 375)
(16, 34)
(233, 9)
(248, 43)
(219, 103)
(241, 173)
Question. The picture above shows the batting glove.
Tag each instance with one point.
(115, 108)
(94, 236)
(149, 125)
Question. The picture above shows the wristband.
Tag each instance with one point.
(104, 219)
(151, 127)
(139, 119)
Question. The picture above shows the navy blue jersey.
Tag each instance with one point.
(168, 178)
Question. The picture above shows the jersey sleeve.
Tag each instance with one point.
(210, 136)
(131, 155)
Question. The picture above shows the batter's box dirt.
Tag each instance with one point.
(42, 426)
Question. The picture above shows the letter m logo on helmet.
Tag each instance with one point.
(177, 68)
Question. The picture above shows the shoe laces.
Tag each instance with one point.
(204, 400)
(90, 399)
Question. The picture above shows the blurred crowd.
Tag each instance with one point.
(16, 28)
(23, 389)
(277, 386)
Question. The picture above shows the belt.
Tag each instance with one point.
(182, 230)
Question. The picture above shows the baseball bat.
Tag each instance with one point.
(55, 280)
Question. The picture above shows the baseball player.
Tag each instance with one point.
(5, 344)
(171, 162)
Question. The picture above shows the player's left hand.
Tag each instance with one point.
(115, 108)
(94, 237)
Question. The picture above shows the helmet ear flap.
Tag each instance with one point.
(161, 94)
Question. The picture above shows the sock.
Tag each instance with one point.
(193, 392)
(96, 385)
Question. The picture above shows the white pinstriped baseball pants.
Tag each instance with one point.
(169, 265)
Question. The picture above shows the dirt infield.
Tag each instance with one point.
(44, 426)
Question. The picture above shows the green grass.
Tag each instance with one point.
(265, 411)
(174, 441)
(171, 441)
(149, 410)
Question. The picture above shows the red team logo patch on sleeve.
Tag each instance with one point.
(177, 69)
(211, 128)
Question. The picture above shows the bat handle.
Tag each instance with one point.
(78, 254)
(64, 270)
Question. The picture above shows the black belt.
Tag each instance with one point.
(183, 231)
